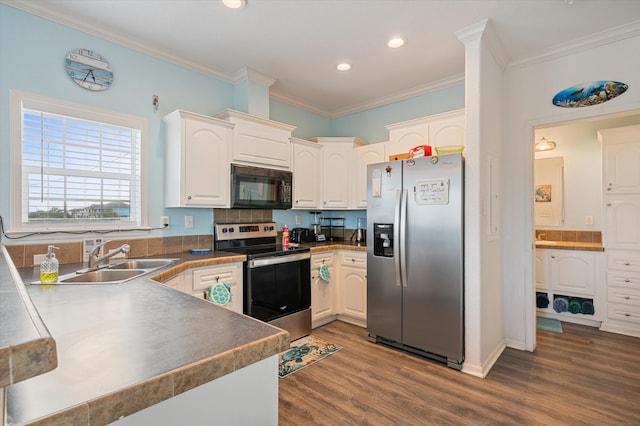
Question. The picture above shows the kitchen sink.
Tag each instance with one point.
(102, 276)
(114, 273)
(142, 264)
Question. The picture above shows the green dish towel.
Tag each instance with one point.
(575, 306)
(325, 275)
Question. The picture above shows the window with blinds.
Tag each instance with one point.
(78, 172)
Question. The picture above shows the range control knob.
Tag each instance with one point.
(224, 230)
(231, 230)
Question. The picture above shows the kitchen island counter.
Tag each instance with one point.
(124, 347)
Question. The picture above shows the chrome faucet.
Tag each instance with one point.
(95, 260)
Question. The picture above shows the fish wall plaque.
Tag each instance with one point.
(587, 94)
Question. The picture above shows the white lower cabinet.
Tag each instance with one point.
(230, 274)
(177, 282)
(353, 286)
(344, 296)
(623, 293)
(571, 276)
(323, 293)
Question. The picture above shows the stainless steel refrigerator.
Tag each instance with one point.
(415, 264)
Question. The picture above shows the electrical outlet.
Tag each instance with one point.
(164, 221)
(588, 220)
(298, 220)
(37, 259)
(188, 222)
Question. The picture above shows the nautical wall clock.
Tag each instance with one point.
(89, 69)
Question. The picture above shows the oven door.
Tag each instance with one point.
(277, 286)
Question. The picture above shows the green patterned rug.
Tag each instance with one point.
(304, 352)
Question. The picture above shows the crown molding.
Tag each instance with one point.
(602, 38)
(48, 11)
(445, 83)
(249, 74)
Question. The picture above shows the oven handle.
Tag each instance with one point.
(275, 260)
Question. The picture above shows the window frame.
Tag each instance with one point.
(20, 100)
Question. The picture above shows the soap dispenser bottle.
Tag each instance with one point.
(49, 267)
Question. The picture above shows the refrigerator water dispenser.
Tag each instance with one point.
(383, 239)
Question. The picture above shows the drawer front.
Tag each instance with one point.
(624, 296)
(623, 261)
(319, 259)
(204, 278)
(621, 279)
(355, 259)
(624, 312)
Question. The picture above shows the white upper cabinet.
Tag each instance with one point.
(196, 160)
(434, 130)
(621, 158)
(258, 141)
(365, 155)
(306, 174)
(338, 171)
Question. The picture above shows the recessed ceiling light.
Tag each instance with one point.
(396, 42)
(235, 4)
(344, 67)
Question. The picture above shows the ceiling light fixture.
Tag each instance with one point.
(545, 145)
(344, 66)
(235, 4)
(396, 42)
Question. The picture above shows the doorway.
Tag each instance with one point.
(577, 143)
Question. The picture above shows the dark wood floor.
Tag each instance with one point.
(580, 377)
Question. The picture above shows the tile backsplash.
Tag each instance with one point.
(71, 252)
(571, 236)
(242, 215)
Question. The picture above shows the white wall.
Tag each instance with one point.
(528, 91)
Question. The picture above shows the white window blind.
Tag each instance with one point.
(78, 171)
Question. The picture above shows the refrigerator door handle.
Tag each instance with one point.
(403, 238)
(396, 237)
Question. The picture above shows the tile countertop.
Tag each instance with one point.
(26, 347)
(569, 245)
(122, 347)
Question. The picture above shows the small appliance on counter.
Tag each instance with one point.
(316, 224)
(301, 235)
(360, 234)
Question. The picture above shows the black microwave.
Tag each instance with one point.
(260, 188)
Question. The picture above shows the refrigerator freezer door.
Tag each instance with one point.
(384, 291)
(433, 297)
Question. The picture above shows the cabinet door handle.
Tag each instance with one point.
(188, 197)
(627, 280)
(627, 297)
(626, 263)
(609, 189)
(608, 204)
(553, 257)
(627, 314)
